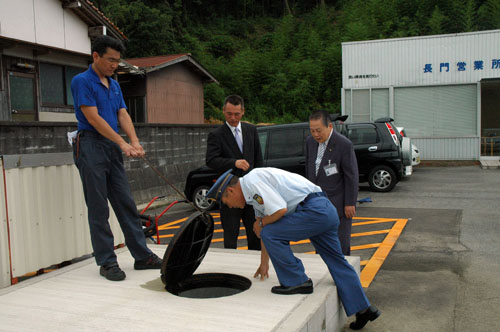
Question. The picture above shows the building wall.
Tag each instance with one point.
(66, 31)
(174, 95)
(466, 58)
(429, 85)
(23, 54)
(174, 149)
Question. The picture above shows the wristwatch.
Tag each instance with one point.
(260, 223)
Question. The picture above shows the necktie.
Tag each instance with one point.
(238, 139)
(321, 152)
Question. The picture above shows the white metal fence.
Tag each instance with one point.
(447, 148)
(47, 215)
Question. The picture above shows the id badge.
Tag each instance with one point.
(330, 169)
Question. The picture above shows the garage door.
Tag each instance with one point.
(437, 111)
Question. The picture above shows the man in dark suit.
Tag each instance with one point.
(331, 164)
(235, 145)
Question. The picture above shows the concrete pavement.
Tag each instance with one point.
(443, 274)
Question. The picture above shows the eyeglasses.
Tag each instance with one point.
(112, 60)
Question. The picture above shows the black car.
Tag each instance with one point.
(380, 150)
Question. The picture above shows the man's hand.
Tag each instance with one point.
(242, 164)
(262, 272)
(138, 148)
(256, 227)
(350, 211)
(131, 150)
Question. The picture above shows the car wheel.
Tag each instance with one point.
(199, 199)
(382, 179)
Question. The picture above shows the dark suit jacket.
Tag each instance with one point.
(223, 151)
(341, 188)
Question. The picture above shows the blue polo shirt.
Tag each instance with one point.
(88, 90)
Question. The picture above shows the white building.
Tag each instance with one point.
(444, 90)
(43, 44)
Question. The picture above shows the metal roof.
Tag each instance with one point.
(154, 63)
(388, 40)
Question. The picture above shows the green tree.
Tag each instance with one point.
(149, 30)
(489, 15)
(284, 65)
(437, 22)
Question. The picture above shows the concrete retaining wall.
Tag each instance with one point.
(174, 149)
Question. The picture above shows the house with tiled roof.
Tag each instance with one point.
(43, 45)
(170, 90)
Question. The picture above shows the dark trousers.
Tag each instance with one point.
(345, 227)
(100, 163)
(345, 235)
(230, 220)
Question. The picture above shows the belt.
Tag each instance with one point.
(89, 133)
(312, 195)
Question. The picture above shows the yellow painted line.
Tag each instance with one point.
(383, 231)
(378, 258)
(222, 239)
(170, 227)
(215, 231)
(372, 222)
(300, 242)
(166, 235)
(222, 231)
(175, 222)
(371, 266)
(366, 246)
(379, 219)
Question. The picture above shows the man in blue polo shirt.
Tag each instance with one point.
(97, 151)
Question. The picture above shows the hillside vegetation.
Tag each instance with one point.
(283, 57)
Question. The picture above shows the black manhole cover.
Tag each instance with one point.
(185, 253)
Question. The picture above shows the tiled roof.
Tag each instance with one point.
(92, 16)
(105, 18)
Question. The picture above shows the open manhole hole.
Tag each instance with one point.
(185, 253)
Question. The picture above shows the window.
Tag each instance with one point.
(22, 96)
(286, 143)
(136, 108)
(263, 142)
(69, 73)
(363, 135)
(366, 105)
(55, 83)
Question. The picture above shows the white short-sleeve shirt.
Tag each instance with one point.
(271, 189)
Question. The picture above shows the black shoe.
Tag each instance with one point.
(150, 263)
(370, 314)
(305, 288)
(112, 272)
